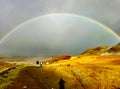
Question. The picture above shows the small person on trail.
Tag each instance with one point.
(38, 64)
(61, 84)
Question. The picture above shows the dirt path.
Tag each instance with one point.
(41, 78)
(28, 78)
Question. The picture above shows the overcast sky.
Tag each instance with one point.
(15, 12)
(56, 34)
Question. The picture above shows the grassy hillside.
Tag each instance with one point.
(5, 65)
(7, 75)
(96, 68)
(103, 50)
(87, 72)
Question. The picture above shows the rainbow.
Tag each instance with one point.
(55, 14)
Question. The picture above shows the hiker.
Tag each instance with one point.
(61, 84)
(37, 64)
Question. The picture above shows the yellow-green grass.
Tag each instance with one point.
(91, 72)
(4, 65)
(7, 78)
(88, 72)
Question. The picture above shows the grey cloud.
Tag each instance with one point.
(14, 12)
(56, 35)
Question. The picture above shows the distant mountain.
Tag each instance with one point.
(103, 50)
(21, 59)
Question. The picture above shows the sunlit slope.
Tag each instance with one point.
(96, 68)
(87, 72)
(5, 65)
(104, 59)
(103, 50)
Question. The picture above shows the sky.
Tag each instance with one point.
(55, 35)
(15, 12)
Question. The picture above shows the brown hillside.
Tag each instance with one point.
(96, 68)
(87, 72)
(4, 65)
(103, 50)
(58, 58)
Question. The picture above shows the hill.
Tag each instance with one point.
(97, 68)
(103, 50)
(5, 65)
(88, 72)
